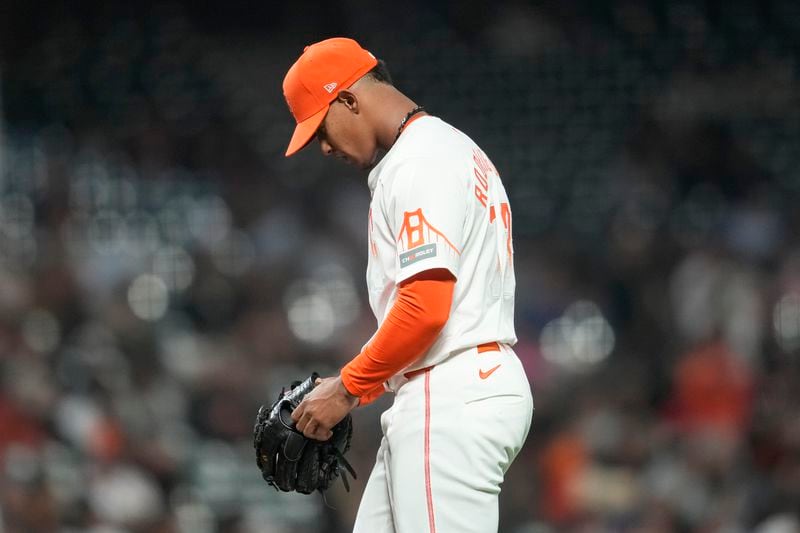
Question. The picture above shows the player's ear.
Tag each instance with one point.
(349, 100)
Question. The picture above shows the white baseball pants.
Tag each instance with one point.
(448, 440)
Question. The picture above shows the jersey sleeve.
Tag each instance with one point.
(427, 212)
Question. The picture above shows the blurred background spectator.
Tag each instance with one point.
(164, 269)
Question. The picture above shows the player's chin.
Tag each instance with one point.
(350, 160)
(361, 164)
(370, 162)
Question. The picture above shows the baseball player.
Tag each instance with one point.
(441, 284)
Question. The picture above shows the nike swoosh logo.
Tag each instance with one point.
(488, 373)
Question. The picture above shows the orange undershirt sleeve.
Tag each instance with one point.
(372, 395)
(412, 325)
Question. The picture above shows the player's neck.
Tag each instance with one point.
(395, 107)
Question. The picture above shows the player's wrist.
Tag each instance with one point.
(352, 398)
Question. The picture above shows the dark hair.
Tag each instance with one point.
(380, 73)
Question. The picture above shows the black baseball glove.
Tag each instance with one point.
(288, 460)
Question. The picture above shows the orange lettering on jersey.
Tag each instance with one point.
(483, 162)
(481, 171)
(372, 246)
(482, 179)
(505, 214)
(481, 196)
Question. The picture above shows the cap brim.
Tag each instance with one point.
(305, 131)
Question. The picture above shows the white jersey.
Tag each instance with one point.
(438, 202)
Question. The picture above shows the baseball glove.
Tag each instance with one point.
(288, 460)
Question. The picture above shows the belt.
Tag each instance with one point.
(485, 347)
(488, 347)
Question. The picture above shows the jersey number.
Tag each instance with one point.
(505, 215)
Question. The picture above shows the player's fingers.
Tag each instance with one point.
(299, 411)
(318, 433)
(311, 429)
(302, 424)
(322, 430)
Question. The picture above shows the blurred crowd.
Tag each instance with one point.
(164, 270)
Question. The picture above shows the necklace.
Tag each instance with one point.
(418, 109)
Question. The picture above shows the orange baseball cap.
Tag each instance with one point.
(316, 78)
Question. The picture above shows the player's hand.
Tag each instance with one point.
(323, 408)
